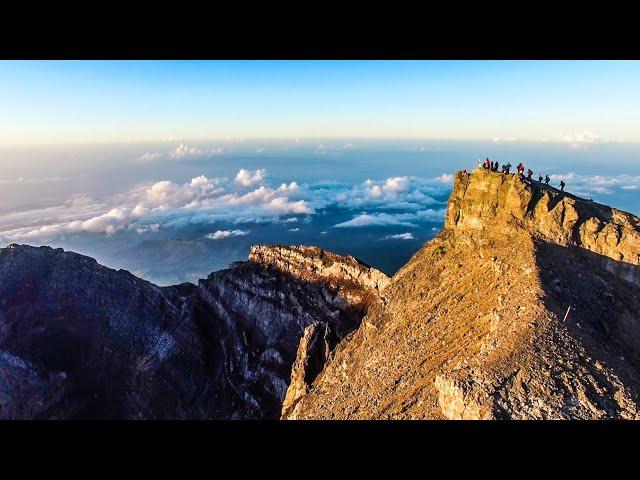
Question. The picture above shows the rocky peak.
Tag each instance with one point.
(267, 304)
(313, 263)
(80, 340)
(525, 306)
(490, 201)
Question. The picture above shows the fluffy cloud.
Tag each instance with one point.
(162, 203)
(180, 152)
(585, 185)
(398, 219)
(377, 220)
(445, 178)
(396, 185)
(394, 193)
(248, 178)
(400, 236)
(578, 139)
(219, 234)
(183, 151)
(246, 198)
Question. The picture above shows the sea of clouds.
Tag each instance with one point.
(246, 198)
(249, 197)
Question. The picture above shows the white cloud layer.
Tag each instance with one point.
(398, 219)
(586, 185)
(578, 139)
(181, 152)
(400, 236)
(248, 178)
(247, 198)
(219, 234)
(146, 208)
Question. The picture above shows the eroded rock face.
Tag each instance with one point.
(316, 345)
(79, 340)
(484, 198)
(462, 400)
(313, 264)
(269, 301)
(523, 307)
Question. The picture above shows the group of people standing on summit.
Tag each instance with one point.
(506, 169)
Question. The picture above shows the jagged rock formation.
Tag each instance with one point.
(525, 306)
(485, 199)
(266, 304)
(314, 350)
(79, 340)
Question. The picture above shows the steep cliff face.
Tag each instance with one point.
(266, 304)
(525, 306)
(518, 309)
(485, 199)
(79, 340)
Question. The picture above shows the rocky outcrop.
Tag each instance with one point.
(79, 340)
(267, 303)
(516, 310)
(526, 306)
(484, 199)
(315, 347)
(313, 264)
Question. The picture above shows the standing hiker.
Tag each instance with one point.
(539, 178)
(529, 173)
(546, 179)
(562, 184)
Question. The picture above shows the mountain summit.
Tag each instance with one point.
(525, 306)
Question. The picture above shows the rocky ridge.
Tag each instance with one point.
(79, 340)
(524, 307)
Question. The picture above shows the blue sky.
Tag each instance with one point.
(79, 101)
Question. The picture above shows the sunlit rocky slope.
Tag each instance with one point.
(526, 306)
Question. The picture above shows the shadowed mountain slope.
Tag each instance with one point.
(79, 340)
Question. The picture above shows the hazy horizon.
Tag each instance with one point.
(175, 211)
(173, 169)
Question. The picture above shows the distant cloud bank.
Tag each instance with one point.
(246, 198)
(181, 152)
(219, 234)
(400, 236)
